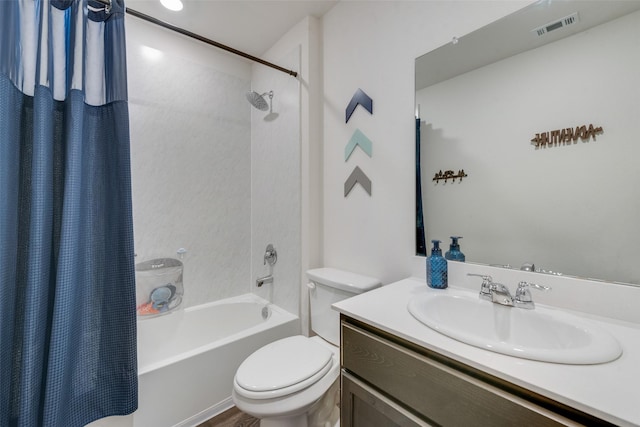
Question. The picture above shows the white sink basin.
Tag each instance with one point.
(541, 334)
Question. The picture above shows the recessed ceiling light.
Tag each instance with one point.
(174, 5)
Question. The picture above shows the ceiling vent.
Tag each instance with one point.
(555, 25)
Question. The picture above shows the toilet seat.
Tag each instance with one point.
(283, 367)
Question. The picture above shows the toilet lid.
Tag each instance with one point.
(282, 364)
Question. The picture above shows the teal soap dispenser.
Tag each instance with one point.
(454, 254)
(436, 267)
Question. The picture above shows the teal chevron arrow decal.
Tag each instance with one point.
(357, 176)
(358, 98)
(358, 139)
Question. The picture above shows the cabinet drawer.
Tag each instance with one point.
(441, 394)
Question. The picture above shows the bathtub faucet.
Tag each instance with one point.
(262, 280)
(271, 257)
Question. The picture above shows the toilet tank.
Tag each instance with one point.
(328, 286)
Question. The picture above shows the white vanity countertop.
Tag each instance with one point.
(610, 391)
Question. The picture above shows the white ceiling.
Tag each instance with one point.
(252, 26)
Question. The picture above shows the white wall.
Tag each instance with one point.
(372, 45)
(517, 199)
(191, 158)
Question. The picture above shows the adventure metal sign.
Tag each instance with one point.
(566, 136)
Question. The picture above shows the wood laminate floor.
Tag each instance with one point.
(232, 418)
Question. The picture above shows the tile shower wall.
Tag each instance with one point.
(276, 182)
(295, 148)
(191, 159)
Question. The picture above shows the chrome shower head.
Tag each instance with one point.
(258, 100)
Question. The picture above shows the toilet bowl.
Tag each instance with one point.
(294, 382)
(283, 383)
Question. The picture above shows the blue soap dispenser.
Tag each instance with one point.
(436, 267)
(454, 254)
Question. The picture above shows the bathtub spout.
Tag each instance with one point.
(263, 280)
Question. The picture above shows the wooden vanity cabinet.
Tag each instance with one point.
(387, 381)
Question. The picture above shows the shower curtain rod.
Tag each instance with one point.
(182, 31)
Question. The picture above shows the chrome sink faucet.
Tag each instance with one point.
(499, 293)
(528, 266)
(494, 292)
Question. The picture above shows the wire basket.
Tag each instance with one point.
(159, 287)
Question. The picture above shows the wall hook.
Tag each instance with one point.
(449, 174)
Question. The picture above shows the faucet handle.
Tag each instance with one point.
(523, 297)
(485, 288)
(270, 255)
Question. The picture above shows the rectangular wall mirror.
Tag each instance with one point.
(571, 207)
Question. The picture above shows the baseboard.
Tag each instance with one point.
(207, 414)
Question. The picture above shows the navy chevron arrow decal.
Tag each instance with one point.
(357, 176)
(359, 98)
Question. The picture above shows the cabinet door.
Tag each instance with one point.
(363, 406)
(440, 393)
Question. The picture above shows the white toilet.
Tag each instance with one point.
(294, 382)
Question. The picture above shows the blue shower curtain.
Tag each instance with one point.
(67, 284)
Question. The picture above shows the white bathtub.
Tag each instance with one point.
(187, 359)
